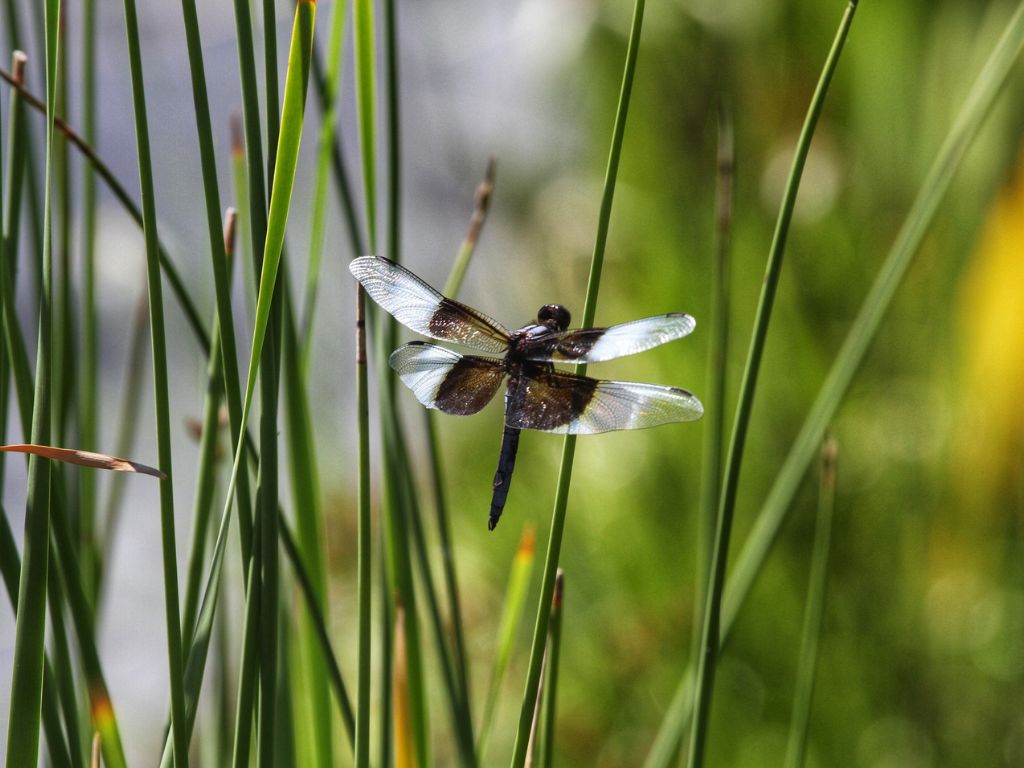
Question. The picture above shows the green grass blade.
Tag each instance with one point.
(313, 698)
(540, 631)
(977, 106)
(366, 100)
(511, 616)
(554, 652)
(127, 432)
(270, 585)
(322, 635)
(206, 476)
(101, 708)
(219, 248)
(815, 610)
(64, 675)
(397, 513)
(30, 623)
(363, 534)
(248, 666)
(329, 101)
(280, 201)
(10, 571)
(89, 406)
(366, 96)
(710, 633)
(160, 386)
(14, 341)
(718, 354)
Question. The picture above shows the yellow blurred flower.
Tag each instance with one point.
(989, 451)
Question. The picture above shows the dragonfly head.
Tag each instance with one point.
(554, 316)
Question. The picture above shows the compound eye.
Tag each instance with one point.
(554, 316)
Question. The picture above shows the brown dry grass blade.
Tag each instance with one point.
(84, 458)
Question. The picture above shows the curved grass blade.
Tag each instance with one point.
(976, 108)
(188, 307)
(569, 446)
(710, 638)
(280, 201)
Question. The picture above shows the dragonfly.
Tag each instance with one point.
(537, 395)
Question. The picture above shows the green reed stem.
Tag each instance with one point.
(569, 447)
(547, 745)
(160, 386)
(718, 354)
(322, 634)
(797, 746)
(30, 622)
(219, 249)
(89, 407)
(710, 638)
(10, 571)
(977, 106)
(366, 94)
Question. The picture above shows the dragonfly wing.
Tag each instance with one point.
(594, 345)
(578, 405)
(420, 308)
(440, 378)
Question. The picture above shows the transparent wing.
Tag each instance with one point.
(445, 380)
(419, 307)
(594, 345)
(578, 405)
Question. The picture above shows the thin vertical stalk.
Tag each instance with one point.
(323, 637)
(228, 353)
(547, 748)
(315, 697)
(569, 446)
(718, 354)
(206, 475)
(366, 94)
(30, 623)
(248, 663)
(268, 495)
(160, 386)
(363, 539)
(710, 637)
(815, 610)
(89, 408)
(10, 572)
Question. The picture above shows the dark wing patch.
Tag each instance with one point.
(445, 380)
(422, 309)
(578, 405)
(594, 345)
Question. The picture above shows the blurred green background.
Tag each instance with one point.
(921, 655)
